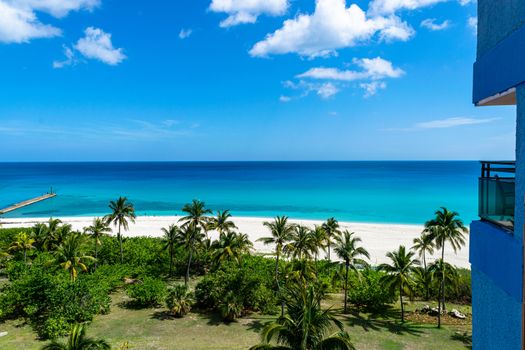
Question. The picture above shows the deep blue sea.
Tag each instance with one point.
(389, 192)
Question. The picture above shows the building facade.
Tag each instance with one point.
(496, 241)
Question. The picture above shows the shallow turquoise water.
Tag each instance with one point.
(396, 192)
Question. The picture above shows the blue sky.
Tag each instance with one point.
(243, 80)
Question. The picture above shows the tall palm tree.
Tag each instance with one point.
(71, 255)
(122, 212)
(78, 340)
(23, 243)
(423, 245)
(319, 242)
(170, 237)
(399, 273)
(98, 229)
(231, 246)
(302, 244)
(222, 223)
(281, 234)
(331, 227)
(442, 271)
(446, 227)
(188, 238)
(306, 326)
(196, 215)
(347, 249)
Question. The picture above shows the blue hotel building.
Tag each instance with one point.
(496, 240)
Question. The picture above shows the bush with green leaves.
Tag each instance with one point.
(50, 301)
(367, 291)
(178, 300)
(234, 289)
(149, 292)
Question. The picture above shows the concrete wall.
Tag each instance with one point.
(496, 20)
(496, 323)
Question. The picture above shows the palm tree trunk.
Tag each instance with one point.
(439, 307)
(401, 301)
(346, 288)
(171, 260)
(187, 277)
(277, 279)
(96, 253)
(120, 240)
(443, 282)
(329, 244)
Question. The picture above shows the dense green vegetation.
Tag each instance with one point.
(57, 279)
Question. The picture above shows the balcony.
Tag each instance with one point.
(497, 193)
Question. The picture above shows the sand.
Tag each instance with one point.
(378, 239)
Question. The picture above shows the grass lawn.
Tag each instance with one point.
(154, 329)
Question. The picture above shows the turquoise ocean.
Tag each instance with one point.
(405, 192)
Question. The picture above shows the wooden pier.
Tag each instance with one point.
(27, 202)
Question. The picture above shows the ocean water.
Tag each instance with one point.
(386, 192)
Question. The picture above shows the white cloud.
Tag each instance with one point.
(70, 59)
(332, 26)
(372, 68)
(466, 2)
(57, 8)
(430, 23)
(20, 24)
(247, 11)
(472, 22)
(284, 98)
(185, 33)
(452, 122)
(386, 7)
(97, 45)
(372, 88)
(327, 90)
(372, 72)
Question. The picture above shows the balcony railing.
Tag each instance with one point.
(497, 193)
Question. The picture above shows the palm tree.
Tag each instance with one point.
(319, 242)
(78, 340)
(70, 255)
(187, 238)
(348, 250)
(442, 271)
(331, 227)
(302, 244)
(423, 245)
(196, 211)
(122, 211)
(222, 223)
(281, 234)
(178, 300)
(98, 229)
(399, 273)
(446, 227)
(170, 236)
(231, 246)
(306, 326)
(23, 243)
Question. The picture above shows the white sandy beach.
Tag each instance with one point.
(378, 239)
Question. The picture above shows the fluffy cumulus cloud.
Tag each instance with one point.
(371, 74)
(332, 26)
(385, 7)
(247, 11)
(472, 23)
(19, 22)
(431, 24)
(96, 44)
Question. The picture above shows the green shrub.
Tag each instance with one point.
(178, 300)
(237, 288)
(149, 293)
(367, 291)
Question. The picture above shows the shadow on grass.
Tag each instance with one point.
(384, 320)
(163, 316)
(464, 337)
(134, 305)
(257, 325)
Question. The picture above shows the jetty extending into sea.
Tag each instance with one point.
(27, 202)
